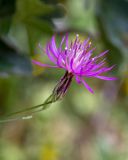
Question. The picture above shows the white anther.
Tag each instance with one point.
(27, 117)
(90, 43)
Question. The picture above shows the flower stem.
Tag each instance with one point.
(58, 93)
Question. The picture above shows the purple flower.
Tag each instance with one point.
(76, 58)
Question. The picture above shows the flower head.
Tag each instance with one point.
(76, 58)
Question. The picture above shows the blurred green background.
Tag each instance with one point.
(82, 126)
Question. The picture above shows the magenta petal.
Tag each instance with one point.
(78, 80)
(105, 69)
(85, 43)
(43, 65)
(53, 45)
(52, 50)
(97, 66)
(87, 86)
(50, 55)
(59, 61)
(102, 54)
(106, 78)
(61, 43)
(100, 71)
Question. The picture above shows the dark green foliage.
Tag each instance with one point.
(12, 62)
(112, 16)
(34, 17)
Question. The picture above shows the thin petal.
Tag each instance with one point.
(78, 79)
(50, 54)
(85, 43)
(61, 43)
(87, 86)
(97, 66)
(43, 65)
(53, 46)
(102, 54)
(87, 56)
(60, 61)
(106, 78)
(102, 70)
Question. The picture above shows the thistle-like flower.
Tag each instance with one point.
(76, 58)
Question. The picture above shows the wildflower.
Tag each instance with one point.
(76, 58)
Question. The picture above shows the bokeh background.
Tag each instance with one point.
(82, 126)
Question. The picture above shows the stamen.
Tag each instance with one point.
(77, 35)
(90, 44)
